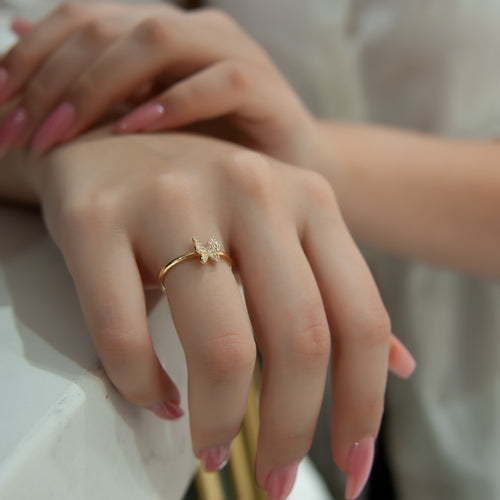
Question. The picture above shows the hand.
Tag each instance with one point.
(83, 59)
(119, 208)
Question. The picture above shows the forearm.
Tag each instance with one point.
(417, 196)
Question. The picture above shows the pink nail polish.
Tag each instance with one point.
(359, 465)
(12, 128)
(20, 26)
(167, 410)
(54, 128)
(214, 459)
(401, 361)
(140, 118)
(280, 482)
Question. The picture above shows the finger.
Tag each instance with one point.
(361, 336)
(112, 299)
(119, 73)
(292, 333)
(401, 361)
(288, 318)
(212, 324)
(68, 61)
(216, 335)
(20, 26)
(152, 48)
(23, 60)
(223, 88)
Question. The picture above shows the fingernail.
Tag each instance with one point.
(214, 459)
(12, 128)
(20, 26)
(359, 464)
(280, 482)
(54, 127)
(140, 118)
(4, 78)
(401, 361)
(167, 410)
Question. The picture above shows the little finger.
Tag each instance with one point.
(292, 332)
(360, 339)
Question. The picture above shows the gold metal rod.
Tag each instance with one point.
(209, 485)
(242, 477)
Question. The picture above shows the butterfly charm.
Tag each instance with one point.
(209, 251)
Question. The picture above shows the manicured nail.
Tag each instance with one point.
(12, 128)
(167, 410)
(54, 128)
(214, 459)
(401, 361)
(140, 118)
(280, 482)
(20, 26)
(4, 78)
(359, 465)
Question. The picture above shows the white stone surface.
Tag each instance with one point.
(65, 433)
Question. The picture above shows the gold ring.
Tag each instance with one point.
(211, 251)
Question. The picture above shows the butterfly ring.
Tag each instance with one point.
(211, 251)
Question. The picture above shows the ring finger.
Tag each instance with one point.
(215, 332)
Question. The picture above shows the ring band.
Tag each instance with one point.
(211, 251)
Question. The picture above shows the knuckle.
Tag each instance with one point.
(238, 77)
(180, 190)
(320, 192)
(86, 217)
(86, 90)
(373, 327)
(71, 11)
(250, 175)
(116, 347)
(97, 32)
(155, 32)
(116, 341)
(312, 343)
(227, 356)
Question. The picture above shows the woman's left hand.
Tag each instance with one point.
(119, 208)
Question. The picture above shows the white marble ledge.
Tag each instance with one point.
(65, 433)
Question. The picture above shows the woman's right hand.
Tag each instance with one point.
(182, 67)
(119, 208)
